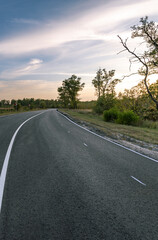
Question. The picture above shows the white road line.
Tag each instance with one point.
(85, 144)
(138, 180)
(6, 160)
(108, 140)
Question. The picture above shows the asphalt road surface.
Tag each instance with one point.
(66, 183)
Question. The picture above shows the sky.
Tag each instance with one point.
(43, 42)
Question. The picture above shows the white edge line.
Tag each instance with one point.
(138, 180)
(131, 150)
(6, 160)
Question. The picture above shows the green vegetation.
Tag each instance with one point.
(105, 90)
(144, 133)
(68, 92)
(127, 118)
(25, 104)
(86, 104)
(111, 115)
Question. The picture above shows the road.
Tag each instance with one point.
(66, 183)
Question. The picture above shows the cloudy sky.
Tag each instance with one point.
(43, 42)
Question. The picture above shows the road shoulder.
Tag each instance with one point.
(142, 147)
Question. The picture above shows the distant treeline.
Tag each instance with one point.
(28, 104)
(31, 104)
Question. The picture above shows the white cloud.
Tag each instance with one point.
(86, 27)
(68, 74)
(33, 65)
(35, 61)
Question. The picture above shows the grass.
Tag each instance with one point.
(7, 112)
(115, 130)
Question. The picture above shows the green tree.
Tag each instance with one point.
(105, 89)
(104, 82)
(68, 92)
(42, 104)
(109, 83)
(98, 83)
(63, 96)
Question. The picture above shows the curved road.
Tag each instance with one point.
(66, 183)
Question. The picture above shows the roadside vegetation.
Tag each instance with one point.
(144, 132)
(129, 114)
(25, 104)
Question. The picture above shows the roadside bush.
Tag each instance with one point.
(110, 115)
(100, 105)
(127, 118)
(104, 103)
(150, 114)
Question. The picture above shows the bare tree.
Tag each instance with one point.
(149, 58)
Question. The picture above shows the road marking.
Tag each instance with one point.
(85, 144)
(138, 180)
(108, 140)
(6, 160)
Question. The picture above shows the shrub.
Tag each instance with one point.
(110, 115)
(127, 118)
(104, 103)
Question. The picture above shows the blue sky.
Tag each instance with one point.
(43, 42)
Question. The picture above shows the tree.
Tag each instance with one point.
(105, 88)
(104, 82)
(98, 82)
(137, 100)
(149, 58)
(149, 32)
(42, 104)
(109, 83)
(63, 96)
(68, 92)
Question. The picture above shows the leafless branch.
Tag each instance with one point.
(141, 59)
(121, 51)
(125, 76)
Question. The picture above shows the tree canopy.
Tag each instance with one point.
(105, 89)
(104, 83)
(68, 92)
